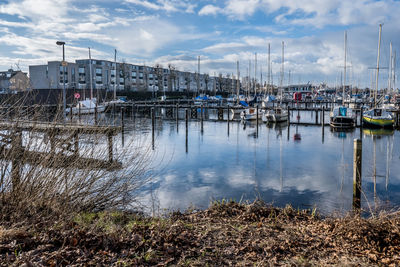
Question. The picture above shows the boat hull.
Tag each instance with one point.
(86, 110)
(377, 122)
(342, 122)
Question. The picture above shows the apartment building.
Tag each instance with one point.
(108, 75)
(13, 81)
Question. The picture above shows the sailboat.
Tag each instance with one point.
(88, 106)
(341, 116)
(378, 117)
(277, 114)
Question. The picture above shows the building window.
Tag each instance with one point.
(81, 70)
(98, 72)
(121, 80)
(113, 73)
(98, 80)
(73, 75)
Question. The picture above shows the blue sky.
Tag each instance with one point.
(220, 32)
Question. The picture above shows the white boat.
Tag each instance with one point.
(87, 106)
(277, 114)
(250, 114)
(268, 101)
(341, 116)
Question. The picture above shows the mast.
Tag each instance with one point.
(198, 75)
(282, 69)
(255, 73)
(269, 67)
(115, 68)
(248, 71)
(377, 64)
(345, 60)
(390, 70)
(394, 70)
(238, 82)
(90, 75)
(261, 79)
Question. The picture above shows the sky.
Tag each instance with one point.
(221, 32)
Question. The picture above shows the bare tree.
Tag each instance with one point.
(46, 167)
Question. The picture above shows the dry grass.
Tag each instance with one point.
(228, 234)
(54, 172)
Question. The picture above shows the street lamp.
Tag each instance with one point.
(63, 63)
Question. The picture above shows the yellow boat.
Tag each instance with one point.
(378, 118)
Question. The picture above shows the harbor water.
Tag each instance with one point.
(304, 166)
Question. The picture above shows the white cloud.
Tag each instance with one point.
(209, 10)
(315, 13)
(166, 5)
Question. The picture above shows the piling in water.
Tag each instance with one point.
(153, 121)
(186, 138)
(357, 160)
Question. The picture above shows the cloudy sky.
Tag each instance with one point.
(220, 32)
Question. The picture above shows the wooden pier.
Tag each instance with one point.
(62, 141)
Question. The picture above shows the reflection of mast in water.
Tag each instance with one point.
(268, 130)
(343, 168)
(389, 154)
(237, 144)
(280, 160)
(255, 167)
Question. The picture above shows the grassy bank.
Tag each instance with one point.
(224, 234)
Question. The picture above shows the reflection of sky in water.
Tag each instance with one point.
(315, 172)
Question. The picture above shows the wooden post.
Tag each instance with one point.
(177, 117)
(316, 116)
(95, 114)
(228, 119)
(70, 112)
(201, 118)
(357, 161)
(110, 147)
(153, 121)
(288, 114)
(122, 126)
(76, 143)
(186, 138)
(79, 111)
(122, 119)
(133, 112)
(17, 152)
(323, 116)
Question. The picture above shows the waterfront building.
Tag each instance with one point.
(13, 81)
(107, 75)
(298, 88)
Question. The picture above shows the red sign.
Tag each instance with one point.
(77, 95)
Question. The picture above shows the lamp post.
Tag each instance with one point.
(63, 63)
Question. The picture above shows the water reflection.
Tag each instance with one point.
(302, 170)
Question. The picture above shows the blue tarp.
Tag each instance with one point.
(244, 104)
(342, 111)
(271, 98)
(201, 98)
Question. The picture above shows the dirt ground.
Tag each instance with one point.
(226, 234)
